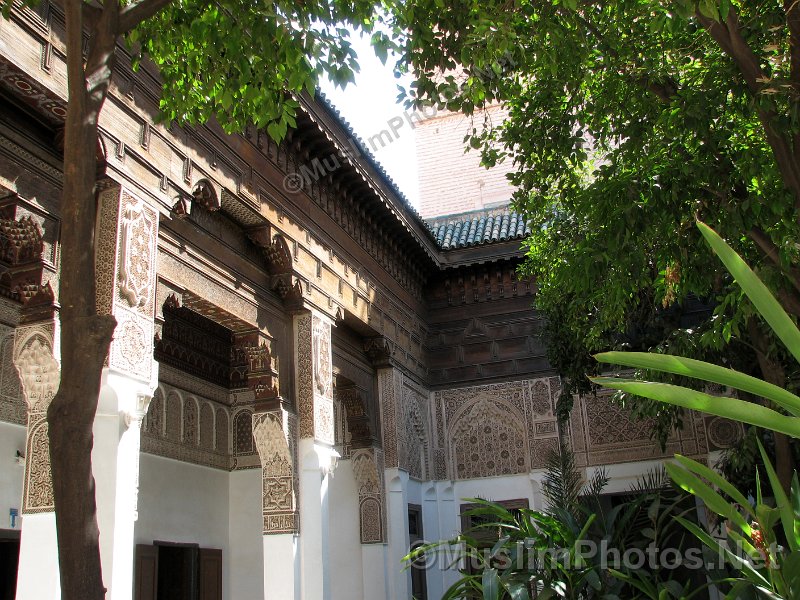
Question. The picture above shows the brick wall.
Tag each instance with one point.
(450, 180)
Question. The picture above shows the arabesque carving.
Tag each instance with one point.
(368, 470)
(279, 503)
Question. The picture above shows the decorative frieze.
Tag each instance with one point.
(185, 426)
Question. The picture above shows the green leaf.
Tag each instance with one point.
(766, 304)
(706, 372)
(731, 408)
(790, 569)
(491, 584)
(785, 508)
(692, 484)
(716, 479)
(737, 562)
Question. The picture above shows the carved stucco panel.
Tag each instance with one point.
(389, 390)
(13, 408)
(314, 377)
(368, 469)
(39, 375)
(488, 439)
(37, 494)
(170, 428)
(303, 374)
(138, 230)
(279, 505)
(132, 346)
(413, 433)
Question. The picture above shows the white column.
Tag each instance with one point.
(279, 504)
(449, 525)
(432, 530)
(317, 458)
(115, 465)
(38, 573)
(280, 557)
(375, 567)
(316, 461)
(126, 284)
(397, 520)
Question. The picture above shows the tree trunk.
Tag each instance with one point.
(85, 335)
(772, 372)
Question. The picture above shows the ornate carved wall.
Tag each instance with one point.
(12, 403)
(39, 374)
(278, 491)
(191, 423)
(368, 467)
(126, 278)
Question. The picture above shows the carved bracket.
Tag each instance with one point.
(22, 265)
(253, 365)
(359, 423)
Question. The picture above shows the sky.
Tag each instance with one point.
(370, 105)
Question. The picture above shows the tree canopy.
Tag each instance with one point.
(627, 121)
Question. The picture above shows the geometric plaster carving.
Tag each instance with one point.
(314, 377)
(39, 372)
(279, 505)
(39, 377)
(137, 253)
(489, 439)
(368, 470)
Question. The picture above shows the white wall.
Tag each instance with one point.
(244, 564)
(12, 438)
(345, 537)
(184, 503)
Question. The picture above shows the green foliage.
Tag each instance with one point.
(555, 554)
(734, 408)
(763, 542)
(626, 120)
(246, 62)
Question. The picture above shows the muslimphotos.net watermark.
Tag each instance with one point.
(525, 555)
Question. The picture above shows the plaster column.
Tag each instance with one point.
(449, 527)
(369, 472)
(433, 532)
(317, 458)
(39, 372)
(399, 540)
(115, 463)
(126, 282)
(271, 433)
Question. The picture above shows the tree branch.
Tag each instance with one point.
(133, 14)
(729, 37)
(788, 299)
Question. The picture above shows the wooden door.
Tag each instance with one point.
(146, 573)
(210, 574)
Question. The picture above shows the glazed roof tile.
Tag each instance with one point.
(478, 227)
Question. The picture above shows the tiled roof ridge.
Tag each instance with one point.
(477, 227)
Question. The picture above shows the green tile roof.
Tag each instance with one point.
(473, 229)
